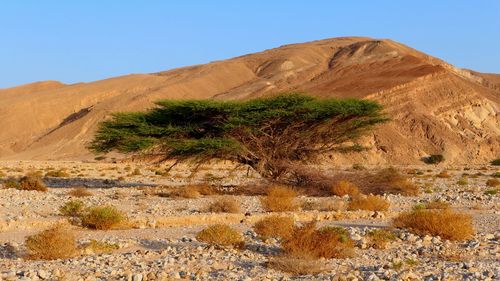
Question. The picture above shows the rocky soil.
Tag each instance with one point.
(160, 242)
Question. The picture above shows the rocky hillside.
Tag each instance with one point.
(435, 107)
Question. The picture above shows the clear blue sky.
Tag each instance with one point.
(85, 40)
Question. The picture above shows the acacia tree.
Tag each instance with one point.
(266, 133)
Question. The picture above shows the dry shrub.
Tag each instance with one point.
(136, 172)
(308, 242)
(297, 266)
(61, 173)
(437, 205)
(444, 223)
(102, 217)
(462, 181)
(279, 199)
(188, 192)
(378, 238)
(443, 175)
(391, 181)
(57, 242)
(492, 182)
(32, 182)
(220, 235)
(193, 191)
(274, 227)
(368, 203)
(73, 208)
(99, 247)
(224, 205)
(79, 192)
(205, 189)
(344, 187)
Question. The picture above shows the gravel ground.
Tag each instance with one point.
(171, 252)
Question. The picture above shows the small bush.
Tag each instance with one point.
(296, 266)
(12, 183)
(54, 243)
(491, 192)
(434, 159)
(492, 182)
(136, 172)
(220, 235)
(391, 181)
(279, 199)
(378, 238)
(205, 189)
(57, 174)
(32, 182)
(274, 227)
(224, 205)
(495, 162)
(99, 247)
(443, 175)
(102, 217)
(307, 242)
(79, 192)
(368, 203)
(187, 192)
(444, 223)
(73, 208)
(344, 187)
(462, 181)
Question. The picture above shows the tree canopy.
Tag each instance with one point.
(265, 133)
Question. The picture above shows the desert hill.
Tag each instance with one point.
(435, 107)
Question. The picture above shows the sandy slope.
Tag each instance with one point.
(435, 107)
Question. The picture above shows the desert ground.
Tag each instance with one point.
(158, 237)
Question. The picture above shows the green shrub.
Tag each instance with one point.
(12, 183)
(102, 217)
(496, 162)
(73, 208)
(491, 192)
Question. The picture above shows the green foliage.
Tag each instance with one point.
(102, 217)
(73, 208)
(264, 133)
(496, 162)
